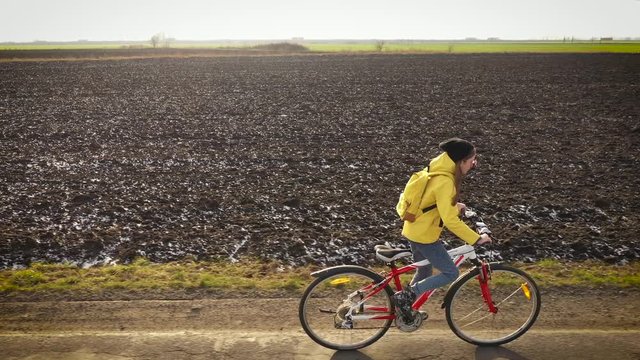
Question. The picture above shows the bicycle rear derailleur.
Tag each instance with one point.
(341, 320)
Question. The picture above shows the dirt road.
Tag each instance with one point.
(424, 344)
(572, 325)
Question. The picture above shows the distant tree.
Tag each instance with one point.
(379, 45)
(157, 39)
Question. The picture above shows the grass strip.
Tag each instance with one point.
(480, 47)
(391, 46)
(267, 277)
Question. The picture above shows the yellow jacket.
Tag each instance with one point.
(441, 190)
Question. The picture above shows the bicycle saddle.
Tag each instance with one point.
(389, 254)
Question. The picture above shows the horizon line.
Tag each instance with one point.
(301, 39)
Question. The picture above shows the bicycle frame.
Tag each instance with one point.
(459, 255)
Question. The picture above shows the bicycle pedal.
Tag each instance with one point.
(424, 315)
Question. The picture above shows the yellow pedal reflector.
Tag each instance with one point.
(526, 291)
(339, 281)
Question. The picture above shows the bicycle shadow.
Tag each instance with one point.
(497, 352)
(350, 355)
(482, 353)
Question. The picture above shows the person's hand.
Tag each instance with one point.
(409, 217)
(484, 239)
(461, 207)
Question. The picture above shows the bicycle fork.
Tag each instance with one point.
(483, 277)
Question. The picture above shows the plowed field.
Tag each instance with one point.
(302, 158)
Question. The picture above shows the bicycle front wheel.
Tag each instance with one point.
(332, 311)
(515, 296)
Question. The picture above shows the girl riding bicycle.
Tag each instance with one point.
(423, 231)
(348, 307)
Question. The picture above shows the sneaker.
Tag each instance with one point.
(404, 300)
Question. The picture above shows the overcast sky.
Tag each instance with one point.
(69, 20)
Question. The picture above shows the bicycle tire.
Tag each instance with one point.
(513, 292)
(322, 293)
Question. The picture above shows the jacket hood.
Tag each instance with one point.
(442, 163)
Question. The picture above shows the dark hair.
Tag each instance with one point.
(457, 149)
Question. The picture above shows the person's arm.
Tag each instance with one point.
(449, 214)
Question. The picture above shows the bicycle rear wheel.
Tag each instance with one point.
(514, 294)
(328, 302)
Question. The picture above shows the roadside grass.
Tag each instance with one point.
(551, 272)
(142, 275)
(250, 275)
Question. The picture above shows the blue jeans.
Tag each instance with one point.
(437, 255)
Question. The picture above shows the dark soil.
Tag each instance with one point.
(302, 158)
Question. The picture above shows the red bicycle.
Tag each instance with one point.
(349, 307)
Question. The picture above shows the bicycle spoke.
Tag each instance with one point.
(466, 316)
(338, 311)
(473, 322)
(473, 312)
(482, 307)
(508, 297)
